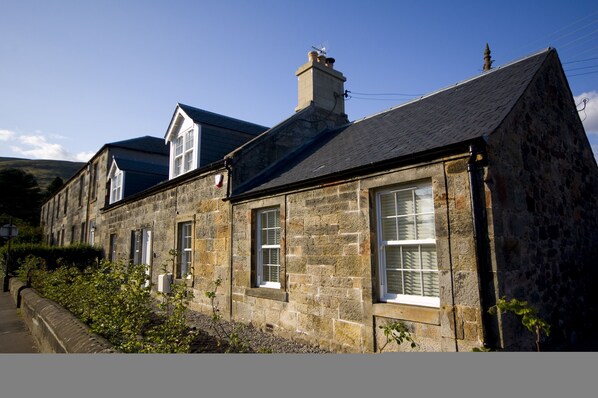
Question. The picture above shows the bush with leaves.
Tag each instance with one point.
(233, 337)
(529, 316)
(115, 301)
(398, 332)
(79, 255)
(171, 334)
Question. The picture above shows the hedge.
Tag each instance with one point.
(80, 255)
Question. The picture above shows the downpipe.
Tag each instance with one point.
(480, 235)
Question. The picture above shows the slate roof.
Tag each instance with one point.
(461, 113)
(214, 119)
(138, 166)
(144, 144)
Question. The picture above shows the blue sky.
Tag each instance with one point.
(77, 74)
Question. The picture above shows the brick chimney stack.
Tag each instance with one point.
(321, 84)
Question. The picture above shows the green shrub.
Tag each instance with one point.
(115, 302)
(79, 256)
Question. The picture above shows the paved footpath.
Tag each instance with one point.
(14, 334)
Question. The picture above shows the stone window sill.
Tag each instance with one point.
(407, 312)
(270, 294)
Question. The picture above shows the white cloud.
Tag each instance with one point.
(6, 135)
(83, 156)
(37, 146)
(589, 115)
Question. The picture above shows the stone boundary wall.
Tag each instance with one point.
(53, 327)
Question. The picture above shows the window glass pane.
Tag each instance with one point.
(430, 284)
(185, 263)
(178, 166)
(406, 228)
(188, 160)
(425, 226)
(393, 273)
(424, 201)
(387, 205)
(410, 257)
(405, 202)
(273, 237)
(270, 234)
(178, 146)
(394, 282)
(189, 140)
(429, 257)
(389, 229)
(271, 265)
(393, 257)
(412, 282)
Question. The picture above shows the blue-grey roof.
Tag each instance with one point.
(461, 113)
(145, 144)
(204, 117)
(138, 166)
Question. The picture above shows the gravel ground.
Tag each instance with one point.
(258, 341)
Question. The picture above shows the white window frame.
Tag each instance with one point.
(183, 152)
(185, 247)
(261, 247)
(92, 232)
(141, 250)
(117, 183)
(382, 244)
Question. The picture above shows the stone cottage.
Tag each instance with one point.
(324, 230)
(72, 214)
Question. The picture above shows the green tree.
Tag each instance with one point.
(20, 196)
(54, 187)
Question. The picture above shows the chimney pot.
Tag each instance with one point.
(330, 62)
(312, 56)
(322, 59)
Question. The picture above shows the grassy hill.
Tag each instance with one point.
(44, 170)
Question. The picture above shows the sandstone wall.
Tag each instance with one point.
(542, 199)
(197, 200)
(329, 295)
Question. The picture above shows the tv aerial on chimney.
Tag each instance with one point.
(321, 49)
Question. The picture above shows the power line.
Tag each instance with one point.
(582, 67)
(555, 33)
(372, 99)
(385, 94)
(586, 51)
(581, 60)
(575, 31)
(582, 74)
(579, 38)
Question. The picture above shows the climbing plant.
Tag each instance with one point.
(236, 343)
(529, 316)
(397, 332)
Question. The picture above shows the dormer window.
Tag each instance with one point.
(198, 138)
(116, 177)
(183, 153)
(183, 137)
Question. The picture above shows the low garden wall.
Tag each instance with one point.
(53, 327)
